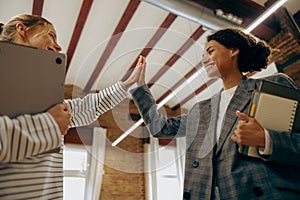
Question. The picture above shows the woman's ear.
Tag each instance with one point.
(20, 27)
(234, 52)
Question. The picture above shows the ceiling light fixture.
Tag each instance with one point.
(251, 27)
(228, 16)
(264, 16)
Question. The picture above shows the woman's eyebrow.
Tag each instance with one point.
(207, 49)
(54, 34)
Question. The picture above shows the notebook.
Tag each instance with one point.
(31, 79)
(273, 113)
(283, 91)
(275, 107)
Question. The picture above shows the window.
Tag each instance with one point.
(164, 170)
(79, 161)
(75, 171)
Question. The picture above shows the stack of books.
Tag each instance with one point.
(275, 107)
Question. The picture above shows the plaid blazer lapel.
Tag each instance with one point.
(210, 138)
(239, 101)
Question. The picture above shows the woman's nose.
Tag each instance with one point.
(57, 47)
(205, 60)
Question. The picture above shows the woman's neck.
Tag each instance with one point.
(231, 81)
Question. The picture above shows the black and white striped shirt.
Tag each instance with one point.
(28, 167)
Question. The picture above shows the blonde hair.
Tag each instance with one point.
(8, 31)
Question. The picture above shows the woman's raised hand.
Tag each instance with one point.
(141, 80)
(138, 74)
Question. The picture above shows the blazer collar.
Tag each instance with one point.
(239, 101)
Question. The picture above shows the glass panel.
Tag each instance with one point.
(75, 157)
(167, 161)
(168, 178)
(168, 188)
(74, 188)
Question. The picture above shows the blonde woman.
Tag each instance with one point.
(28, 171)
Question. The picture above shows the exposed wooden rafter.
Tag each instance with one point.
(124, 21)
(195, 93)
(155, 38)
(194, 37)
(81, 20)
(180, 82)
(37, 7)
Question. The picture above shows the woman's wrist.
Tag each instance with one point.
(126, 84)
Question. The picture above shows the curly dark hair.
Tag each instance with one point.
(253, 54)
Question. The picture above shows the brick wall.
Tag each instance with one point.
(124, 164)
(287, 42)
(123, 178)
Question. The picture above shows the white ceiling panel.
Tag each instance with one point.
(102, 20)
(8, 9)
(63, 15)
(101, 23)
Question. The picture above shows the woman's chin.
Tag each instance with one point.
(213, 76)
(212, 73)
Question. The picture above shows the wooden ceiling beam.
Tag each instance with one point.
(153, 41)
(195, 93)
(112, 43)
(37, 7)
(194, 37)
(81, 20)
(180, 82)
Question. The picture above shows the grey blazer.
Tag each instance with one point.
(215, 170)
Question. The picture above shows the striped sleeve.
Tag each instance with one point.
(27, 135)
(88, 109)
